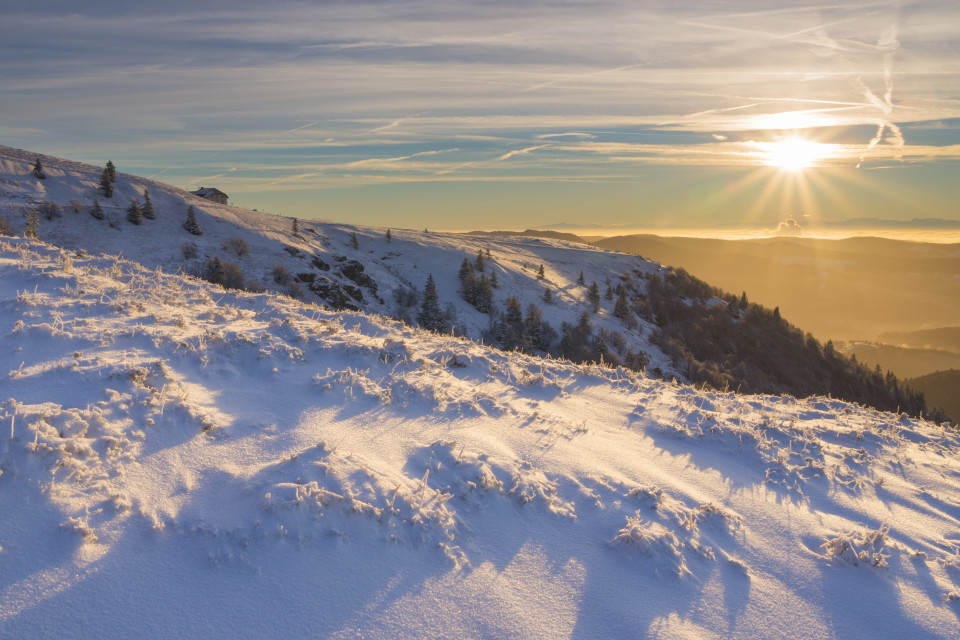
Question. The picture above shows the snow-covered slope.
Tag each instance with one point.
(321, 257)
(182, 461)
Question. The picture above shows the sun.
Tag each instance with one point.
(793, 154)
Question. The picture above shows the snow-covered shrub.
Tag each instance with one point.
(280, 274)
(232, 276)
(654, 540)
(189, 250)
(236, 245)
(294, 290)
(49, 210)
(33, 224)
(862, 547)
(5, 228)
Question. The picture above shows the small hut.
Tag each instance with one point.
(211, 193)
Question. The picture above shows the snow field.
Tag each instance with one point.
(176, 457)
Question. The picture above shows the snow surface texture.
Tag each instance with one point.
(181, 461)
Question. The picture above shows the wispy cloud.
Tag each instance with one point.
(520, 152)
(326, 94)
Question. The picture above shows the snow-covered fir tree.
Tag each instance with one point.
(465, 270)
(147, 209)
(191, 224)
(96, 210)
(593, 295)
(430, 316)
(106, 184)
(621, 308)
(213, 270)
(134, 212)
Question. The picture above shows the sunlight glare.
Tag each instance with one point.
(793, 154)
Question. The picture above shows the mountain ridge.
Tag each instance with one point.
(604, 305)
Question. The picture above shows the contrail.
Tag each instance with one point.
(889, 44)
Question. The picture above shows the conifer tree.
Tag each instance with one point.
(621, 308)
(540, 274)
(479, 264)
(430, 316)
(567, 345)
(389, 236)
(148, 211)
(593, 295)
(38, 170)
(111, 171)
(134, 213)
(548, 296)
(353, 240)
(608, 294)
(106, 184)
(494, 280)
(191, 224)
(636, 360)
(510, 327)
(213, 270)
(96, 210)
(581, 279)
(600, 346)
(484, 303)
(295, 228)
(465, 270)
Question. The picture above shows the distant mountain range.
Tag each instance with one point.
(849, 223)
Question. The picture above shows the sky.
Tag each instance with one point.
(486, 114)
